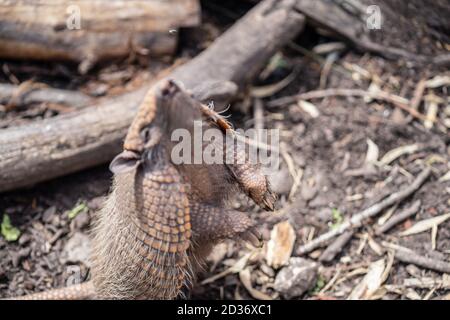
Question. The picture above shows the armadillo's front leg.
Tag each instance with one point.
(247, 174)
(213, 224)
(249, 177)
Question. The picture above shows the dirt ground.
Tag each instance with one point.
(328, 145)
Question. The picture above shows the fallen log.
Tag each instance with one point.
(71, 142)
(90, 31)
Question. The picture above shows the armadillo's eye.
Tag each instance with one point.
(145, 134)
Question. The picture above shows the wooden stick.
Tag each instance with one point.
(408, 256)
(401, 216)
(357, 219)
(64, 144)
(335, 247)
(418, 94)
(397, 101)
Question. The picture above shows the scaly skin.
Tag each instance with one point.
(161, 220)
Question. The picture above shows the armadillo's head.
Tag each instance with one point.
(165, 107)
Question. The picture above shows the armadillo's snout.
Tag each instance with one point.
(169, 88)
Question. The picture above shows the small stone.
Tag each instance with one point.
(398, 117)
(295, 114)
(81, 221)
(29, 285)
(56, 221)
(324, 215)
(299, 159)
(17, 257)
(299, 130)
(296, 278)
(24, 239)
(99, 90)
(76, 250)
(413, 270)
(281, 181)
(308, 192)
(48, 214)
(96, 203)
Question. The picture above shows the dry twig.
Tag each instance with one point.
(335, 247)
(403, 215)
(357, 219)
(396, 100)
(409, 256)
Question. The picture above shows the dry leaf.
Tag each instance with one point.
(425, 225)
(354, 197)
(411, 294)
(445, 177)
(398, 152)
(373, 88)
(237, 267)
(245, 277)
(429, 294)
(309, 108)
(328, 47)
(432, 110)
(280, 245)
(446, 122)
(384, 218)
(372, 152)
(438, 81)
(217, 255)
(434, 230)
(375, 246)
(389, 264)
(271, 89)
(371, 282)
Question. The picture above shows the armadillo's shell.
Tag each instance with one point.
(163, 230)
(142, 236)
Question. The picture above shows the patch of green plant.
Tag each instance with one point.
(337, 217)
(76, 210)
(9, 232)
(320, 283)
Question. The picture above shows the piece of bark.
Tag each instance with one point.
(17, 96)
(92, 136)
(280, 245)
(46, 30)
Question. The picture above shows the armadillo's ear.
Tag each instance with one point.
(125, 162)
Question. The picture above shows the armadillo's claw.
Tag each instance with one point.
(260, 193)
(252, 236)
(268, 200)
